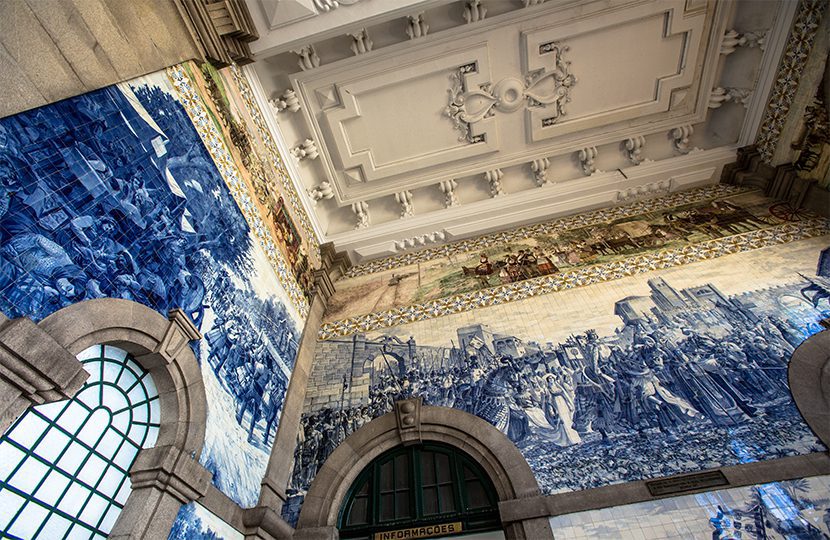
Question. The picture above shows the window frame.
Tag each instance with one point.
(481, 519)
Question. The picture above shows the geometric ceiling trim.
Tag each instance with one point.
(551, 284)
(536, 204)
(345, 142)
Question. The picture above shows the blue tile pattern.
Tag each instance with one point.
(113, 194)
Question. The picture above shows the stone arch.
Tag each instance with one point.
(167, 475)
(500, 459)
(809, 379)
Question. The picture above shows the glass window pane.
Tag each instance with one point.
(402, 471)
(447, 498)
(10, 457)
(28, 522)
(476, 497)
(10, 503)
(62, 442)
(402, 509)
(52, 488)
(121, 422)
(358, 514)
(386, 476)
(56, 526)
(387, 506)
(114, 353)
(430, 498)
(92, 352)
(442, 467)
(428, 468)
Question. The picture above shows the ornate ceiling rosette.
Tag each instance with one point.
(545, 88)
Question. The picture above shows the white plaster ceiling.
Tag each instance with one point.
(588, 103)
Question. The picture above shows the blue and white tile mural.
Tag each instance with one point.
(195, 522)
(794, 509)
(646, 376)
(112, 194)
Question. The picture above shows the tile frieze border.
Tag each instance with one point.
(603, 215)
(221, 156)
(512, 292)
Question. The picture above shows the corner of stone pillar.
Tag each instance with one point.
(163, 478)
(336, 263)
(34, 369)
(264, 523)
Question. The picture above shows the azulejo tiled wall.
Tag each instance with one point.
(795, 509)
(129, 192)
(658, 371)
(566, 253)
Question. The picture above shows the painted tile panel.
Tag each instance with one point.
(794, 509)
(195, 522)
(114, 194)
(668, 371)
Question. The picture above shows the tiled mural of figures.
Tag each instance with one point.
(650, 375)
(112, 194)
(195, 522)
(794, 509)
(559, 246)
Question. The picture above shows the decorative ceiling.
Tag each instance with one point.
(436, 121)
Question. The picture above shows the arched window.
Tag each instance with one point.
(64, 465)
(418, 486)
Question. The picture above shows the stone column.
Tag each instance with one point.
(34, 369)
(264, 521)
(163, 479)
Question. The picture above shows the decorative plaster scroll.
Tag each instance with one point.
(323, 191)
(448, 189)
(308, 58)
(634, 149)
(732, 40)
(474, 11)
(680, 138)
(586, 158)
(511, 94)
(421, 240)
(494, 179)
(720, 95)
(539, 168)
(404, 198)
(305, 150)
(361, 44)
(361, 210)
(288, 101)
(416, 26)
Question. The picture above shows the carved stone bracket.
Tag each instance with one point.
(474, 11)
(288, 101)
(323, 191)
(180, 332)
(305, 150)
(448, 189)
(539, 168)
(361, 210)
(34, 369)
(416, 26)
(421, 240)
(361, 44)
(721, 95)
(732, 40)
(586, 158)
(221, 29)
(168, 469)
(680, 138)
(308, 57)
(404, 198)
(634, 149)
(408, 416)
(529, 3)
(494, 180)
